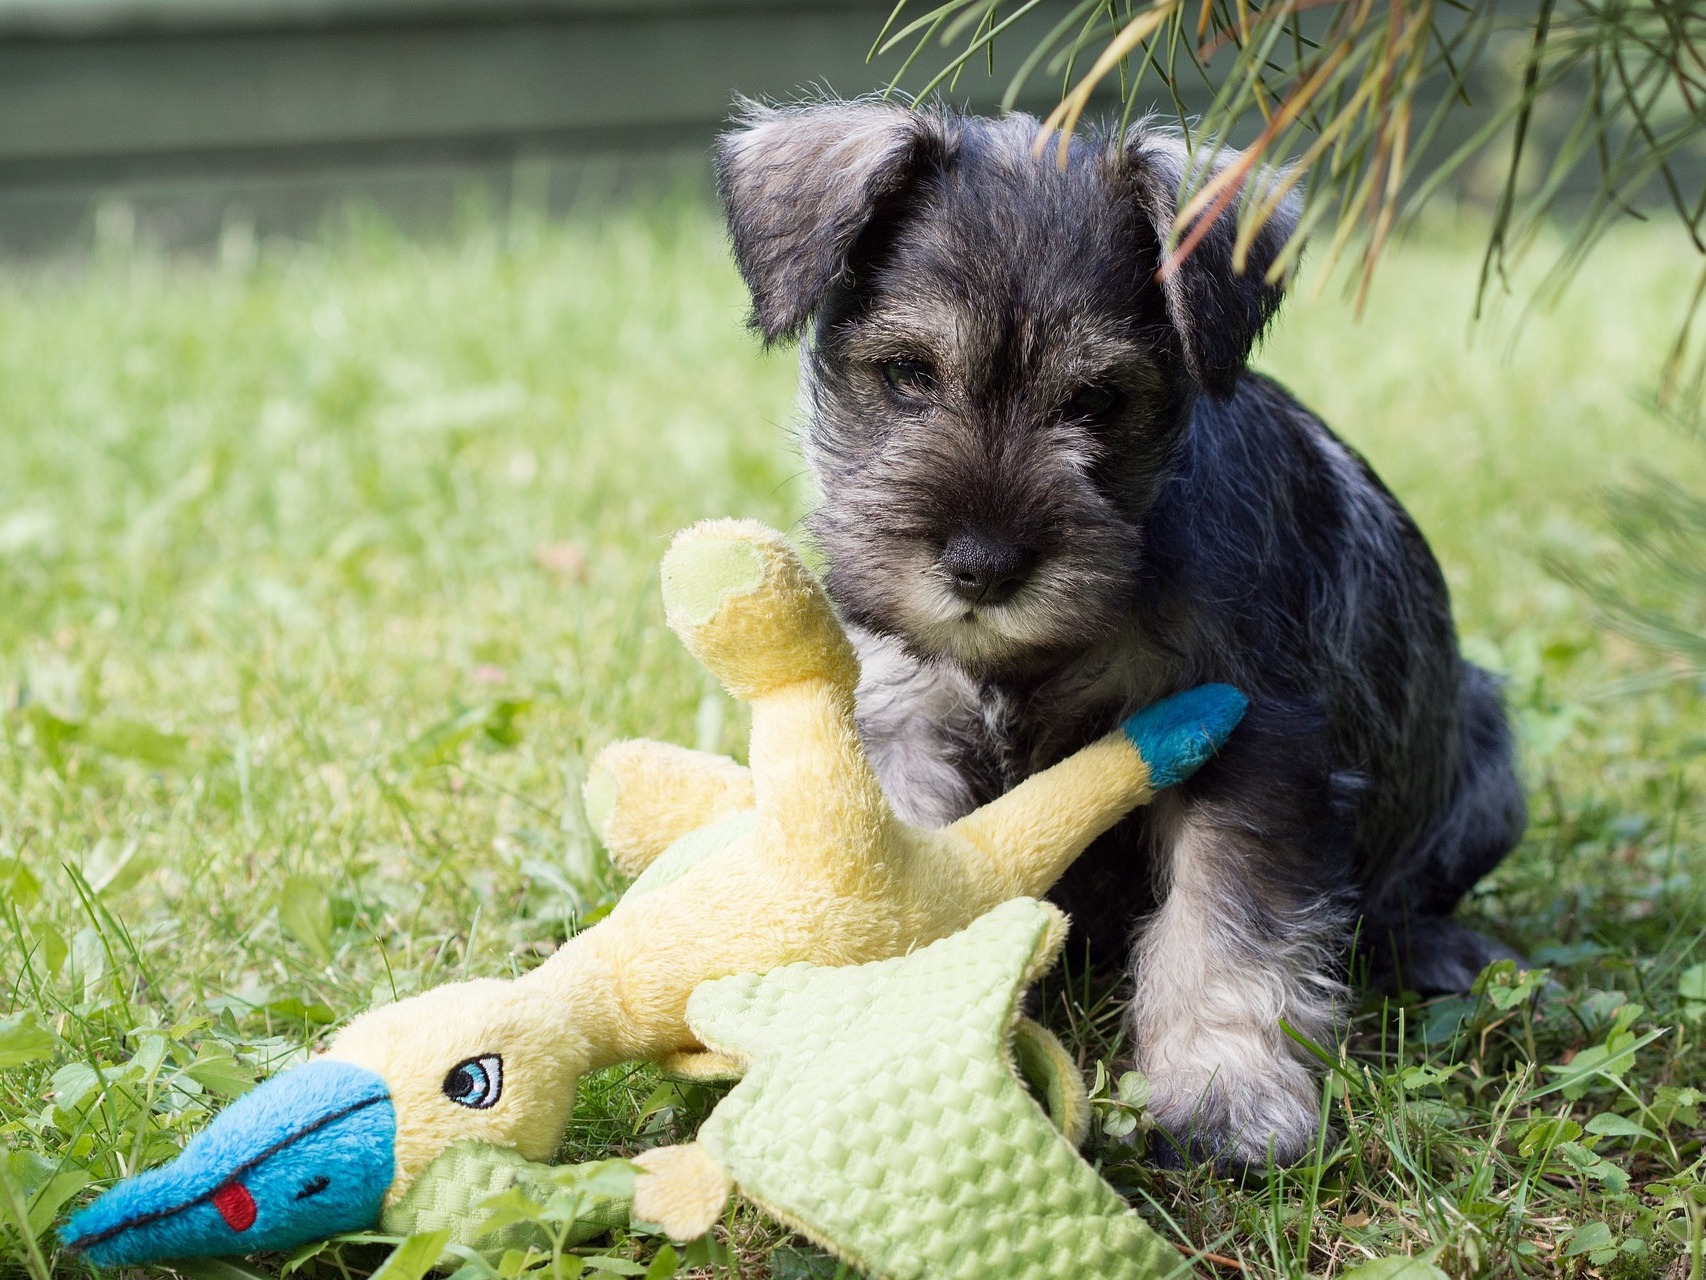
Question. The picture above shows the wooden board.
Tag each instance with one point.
(282, 106)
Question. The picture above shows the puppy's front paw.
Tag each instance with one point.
(1220, 973)
(1227, 1085)
(1237, 1113)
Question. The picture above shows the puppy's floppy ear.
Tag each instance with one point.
(1218, 312)
(800, 184)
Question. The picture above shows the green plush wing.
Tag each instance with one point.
(883, 1117)
(450, 1191)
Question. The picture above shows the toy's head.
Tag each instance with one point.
(491, 1061)
(306, 1155)
(322, 1147)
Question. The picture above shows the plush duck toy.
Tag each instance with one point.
(798, 858)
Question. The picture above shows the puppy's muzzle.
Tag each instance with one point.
(985, 568)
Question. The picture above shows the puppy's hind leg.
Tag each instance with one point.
(1409, 940)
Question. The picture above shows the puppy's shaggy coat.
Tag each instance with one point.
(1051, 494)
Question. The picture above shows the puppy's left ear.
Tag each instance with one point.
(801, 184)
(1218, 311)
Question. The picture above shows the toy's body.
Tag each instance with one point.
(799, 860)
(815, 865)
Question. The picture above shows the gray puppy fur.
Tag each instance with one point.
(1050, 495)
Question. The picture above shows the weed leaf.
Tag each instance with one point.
(1589, 1237)
(1506, 986)
(1616, 1126)
(113, 873)
(1691, 986)
(599, 1178)
(19, 884)
(508, 1208)
(217, 1269)
(52, 1196)
(497, 722)
(14, 1209)
(1543, 1133)
(51, 949)
(1425, 1077)
(414, 1257)
(24, 1040)
(614, 1265)
(133, 740)
(218, 1072)
(52, 735)
(306, 911)
(1401, 1268)
(43, 1186)
(1608, 1062)
(803, 1264)
(440, 743)
(296, 1009)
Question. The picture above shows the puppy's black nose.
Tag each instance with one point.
(984, 568)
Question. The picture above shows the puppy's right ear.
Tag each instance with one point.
(799, 185)
(1218, 312)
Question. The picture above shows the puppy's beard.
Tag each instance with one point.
(1045, 617)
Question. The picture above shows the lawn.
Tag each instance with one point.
(324, 569)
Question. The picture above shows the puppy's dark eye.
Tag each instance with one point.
(1091, 404)
(908, 377)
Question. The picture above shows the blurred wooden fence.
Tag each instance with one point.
(278, 105)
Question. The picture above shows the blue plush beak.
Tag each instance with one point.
(304, 1156)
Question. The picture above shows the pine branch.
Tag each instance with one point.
(1363, 95)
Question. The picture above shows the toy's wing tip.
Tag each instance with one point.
(1178, 735)
(680, 1190)
(713, 560)
(747, 607)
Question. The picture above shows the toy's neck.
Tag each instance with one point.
(618, 1023)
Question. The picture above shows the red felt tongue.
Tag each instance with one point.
(235, 1205)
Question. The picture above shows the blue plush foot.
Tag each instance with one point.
(1178, 735)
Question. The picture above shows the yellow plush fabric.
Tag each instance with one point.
(818, 870)
(1052, 1075)
(681, 1190)
(650, 794)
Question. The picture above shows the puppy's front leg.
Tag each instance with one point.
(1250, 932)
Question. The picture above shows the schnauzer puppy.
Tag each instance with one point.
(1050, 495)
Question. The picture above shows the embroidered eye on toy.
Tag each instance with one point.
(476, 1083)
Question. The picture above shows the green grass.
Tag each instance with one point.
(322, 574)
